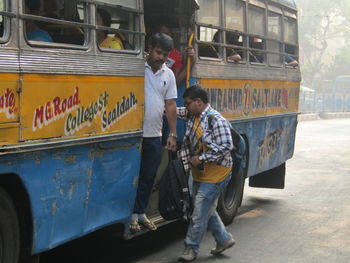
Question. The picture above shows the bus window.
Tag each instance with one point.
(290, 30)
(235, 11)
(235, 14)
(256, 26)
(1, 19)
(116, 28)
(209, 13)
(5, 21)
(54, 23)
(290, 59)
(274, 30)
(236, 39)
(209, 18)
(209, 35)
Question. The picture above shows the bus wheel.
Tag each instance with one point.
(9, 230)
(231, 198)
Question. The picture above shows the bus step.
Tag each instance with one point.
(157, 220)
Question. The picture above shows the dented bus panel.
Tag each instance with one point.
(86, 187)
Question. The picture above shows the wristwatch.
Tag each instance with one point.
(171, 134)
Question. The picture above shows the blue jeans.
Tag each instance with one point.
(205, 217)
(150, 160)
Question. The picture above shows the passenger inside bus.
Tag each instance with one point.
(233, 39)
(103, 18)
(255, 55)
(174, 61)
(54, 32)
(290, 60)
(123, 37)
(51, 9)
(36, 29)
(234, 54)
(208, 35)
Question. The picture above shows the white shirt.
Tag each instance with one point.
(159, 86)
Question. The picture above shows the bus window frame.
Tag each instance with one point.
(264, 7)
(286, 19)
(276, 11)
(137, 16)
(40, 44)
(290, 15)
(219, 27)
(219, 17)
(243, 3)
(6, 20)
(212, 43)
(107, 3)
(243, 47)
(227, 29)
(256, 5)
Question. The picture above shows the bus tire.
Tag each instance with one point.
(231, 198)
(9, 230)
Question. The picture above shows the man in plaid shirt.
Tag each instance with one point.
(206, 151)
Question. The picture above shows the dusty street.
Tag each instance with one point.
(307, 222)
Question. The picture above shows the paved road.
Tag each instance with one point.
(307, 222)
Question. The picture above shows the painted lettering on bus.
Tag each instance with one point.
(119, 111)
(268, 146)
(226, 99)
(244, 100)
(269, 98)
(54, 110)
(84, 116)
(8, 103)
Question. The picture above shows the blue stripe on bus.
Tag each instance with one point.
(87, 187)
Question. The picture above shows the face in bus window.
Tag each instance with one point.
(51, 9)
(102, 19)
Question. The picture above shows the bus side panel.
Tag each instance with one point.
(9, 108)
(71, 106)
(271, 141)
(264, 111)
(77, 189)
(9, 102)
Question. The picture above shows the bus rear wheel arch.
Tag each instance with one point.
(14, 189)
(9, 229)
(231, 198)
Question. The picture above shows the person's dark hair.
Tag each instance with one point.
(196, 92)
(105, 16)
(33, 6)
(162, 41)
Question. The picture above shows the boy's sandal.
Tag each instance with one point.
(148, 224)
(134, 226)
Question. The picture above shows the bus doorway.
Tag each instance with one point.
(177, 17)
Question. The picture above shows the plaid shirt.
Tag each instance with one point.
(217, 138)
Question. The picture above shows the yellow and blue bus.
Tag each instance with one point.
(259, 94)
(71, 108)
(332, 95)
(341, 93)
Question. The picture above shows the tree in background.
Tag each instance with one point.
(321, 21)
